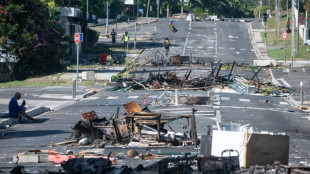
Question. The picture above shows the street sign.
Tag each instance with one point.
(284, 35)
(265, 26)
(77, 38)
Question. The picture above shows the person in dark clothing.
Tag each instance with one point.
(113, 34)
(167, 45)
(16, 111)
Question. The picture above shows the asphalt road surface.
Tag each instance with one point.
(206, 41)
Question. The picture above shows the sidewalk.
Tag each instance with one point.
(121, 26)
(257, 42)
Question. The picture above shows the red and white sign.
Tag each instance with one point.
(265, 26)
(284, 35)
(77, 38)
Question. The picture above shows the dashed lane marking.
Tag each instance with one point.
(231, 48)
(244, 100)
(225, 98)
(133, 97)
(113, 97)
(283, 103)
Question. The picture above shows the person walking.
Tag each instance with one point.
(113, 34)
(125, 39)
(167, 45)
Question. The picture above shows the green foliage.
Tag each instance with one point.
(29, 31)
(264, 9)
(92, 39)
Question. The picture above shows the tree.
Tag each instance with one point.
(29, 30)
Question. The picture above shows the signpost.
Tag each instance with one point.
(78, 37)
(265, 26)
(284, 37)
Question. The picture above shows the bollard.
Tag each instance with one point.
(176, 97)
(301, 93)
(307, 55)
(209, 97)
(73, 88)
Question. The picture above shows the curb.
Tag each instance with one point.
(290, 99)
(8, 122)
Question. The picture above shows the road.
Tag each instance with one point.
(206, 41)
(198, 38)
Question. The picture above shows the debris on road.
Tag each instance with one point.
(138, 127)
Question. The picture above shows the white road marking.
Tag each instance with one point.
(189, 32)
(210, 47)
(134, 97)
(221, 48)
(231, 48)
(285, 83)
(112, 97)
(237, 52)
(189, 47)
(225, 98)
(283, 103)
(244, 100)
(303, 69)
(200, 47)
(204, 114)
(185, 45)
(253, 50)
(242, 49)
(230, 36)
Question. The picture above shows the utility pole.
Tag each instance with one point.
(138, 8)
(147, 10)
(107, 18)
(157, 3)
(87, 9)
(297, 47)
(260, 7)
(182, 6)
(279, 16)
(276, 10)
(293, 33)
(134, 43)
(287, 10)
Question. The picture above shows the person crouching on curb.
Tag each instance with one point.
(19, 112)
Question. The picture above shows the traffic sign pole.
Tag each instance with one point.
(284, 37)
(77, 65)
(285, 51)
(77, 39)
(265, 38)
